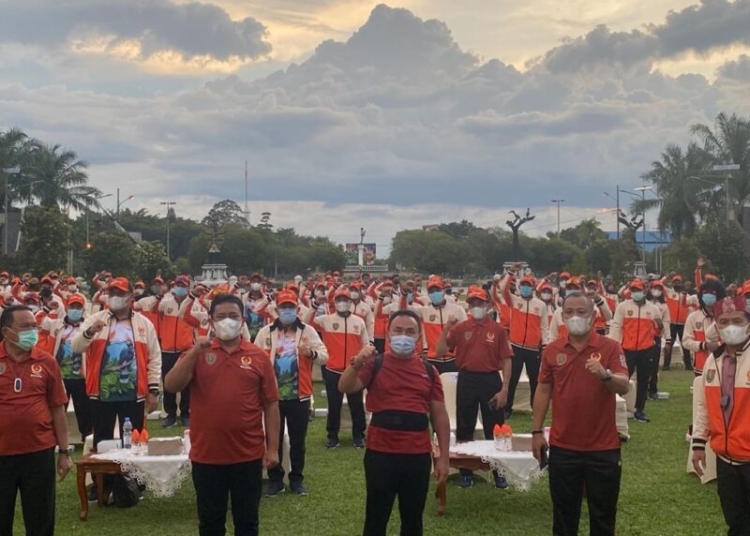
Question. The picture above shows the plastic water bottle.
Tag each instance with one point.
(127, 433)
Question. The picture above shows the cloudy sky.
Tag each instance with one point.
(353, 114)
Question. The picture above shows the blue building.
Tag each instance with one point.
(654, 239)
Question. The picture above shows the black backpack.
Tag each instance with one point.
(378, 364)
(125, 491)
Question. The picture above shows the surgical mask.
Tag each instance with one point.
(709, 299)
(343, 306)
(354, 295)
(27, 339)
(478, 313)
(72, 288)
(637, 296)
(75, 315)
(577, 325)
(526, 291)
(656, 293)
(387, 300)
(403, 345)
(320, 293)
(546, 296)
(734, 335)
(437, 297)
(410, 298)
(287, 316)
(180, 292)
(138, 292)
(156, 289)
(254, 286)
(118, 303)
(228, 329)
(563, 283)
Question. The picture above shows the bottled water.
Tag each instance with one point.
(127, 433)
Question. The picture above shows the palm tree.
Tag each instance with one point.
(685, 200)
(13, 149)
(57, 179)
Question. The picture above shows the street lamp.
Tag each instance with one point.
(643, 190)
(97, 198)
(7, 171)
(617, 216)
(168, 204)
(728, 168)
(119, 204)
(559, 202)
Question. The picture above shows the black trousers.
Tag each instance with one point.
(388, 476)
(34, 476)
(569, 473)
(76, 390)
(296, 414)
(105, 413)
(335, 400)
(734, 494)
(677, 331)
(215, 484)
(640, 361)
(168, 361)
(443, 366)
(521, 357)
(653, 376)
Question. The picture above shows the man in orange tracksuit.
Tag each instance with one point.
(700, 336)
(677, 302)
(635, 325)
(723, 414)
(434, 319)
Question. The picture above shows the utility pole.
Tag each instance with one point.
(7, 172)
(169, 206)
(558, 201)
(618, 212)
(728, 168)
(247, 209)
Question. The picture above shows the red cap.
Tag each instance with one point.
(476, 292)
(528, 279)
(342, 293)
(158, 280)
(80, 299)
(356, 285)
(31, 296)
(120, 283)
(71, 281)
(564, 275)
(286, 296)
(575, 281)
(182, 280)
(657, 284)
(435, 282)
(677, 279)
(140, 284)
(636, 284)
(545, 286)
(46, 279)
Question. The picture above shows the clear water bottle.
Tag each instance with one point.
(127, 433)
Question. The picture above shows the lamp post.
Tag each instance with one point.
(119, 204)
(559, 202)
(617, 215)
(88, 241)
(643, 190)
(7, 172)
(168, 205)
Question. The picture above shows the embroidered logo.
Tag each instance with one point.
(36, 371)
(355, 329)
(211, 358)
(562, 359)
(491, 337)
(433, 318)
(169, 310)
(699, 325)
(710, 375)
(467, 335)
(335, 325)
(630, 313)
(596, 356)
(246, 361)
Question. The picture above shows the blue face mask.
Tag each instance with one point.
(637, 296)
(410, 298)
(180, 292)
(437, 296)
(287, 316)
(709, 299)
(75, 315)
(526, 291)
(27, 339)
(403, 345)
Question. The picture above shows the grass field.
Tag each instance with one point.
(657, 497)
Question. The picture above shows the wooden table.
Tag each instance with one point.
(97, 468)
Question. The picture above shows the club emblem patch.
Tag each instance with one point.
(211, 358)
(36, 370)
(433, 318)
(467, 335)
(699, 325)
(491, 337)
(630, 313)
(710, 375)
(562, 359)
(246, 360)
(597, 356)
(335, 325)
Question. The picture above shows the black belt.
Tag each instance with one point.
(404, 421)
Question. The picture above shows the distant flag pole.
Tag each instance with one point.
(247, 209)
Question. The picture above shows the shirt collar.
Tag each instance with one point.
(35, 353)
(244, 346)
(594, 340)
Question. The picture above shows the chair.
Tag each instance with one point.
(450, 381)
(522, 400)
(709, 472)
(621, 417)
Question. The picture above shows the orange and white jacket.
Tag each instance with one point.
(502, 308)
(149, 307)
(434, 318)
(344, 337)
(268, 340)
(364, 311)
(665, 318)
(730, 439)
(633, 326)
(175, 334)
(51, 332)
(529, 327)
(699, 329)
(195, 314)
(679, 308)
(147, 352)
(558, 330)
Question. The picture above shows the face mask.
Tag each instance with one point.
(437, 297)
(118, 303)
(27, 339)
(138, 292)
(656, 293)
(410, 298)
(354, 295)
(578, 325)
(734, 335)
(320, 293)
(546, 296)
(637, 296)
(403, 345)
(563, 283)
(156, 289)
(180, 292)
(478, 313)
(72, 288)
(678, 288)
(228, 329)
(709, 299)
(254, 286)
(342, 306)
(287, 316)
(75, 315)
(387, 300)
(233, 281)
(526, 291)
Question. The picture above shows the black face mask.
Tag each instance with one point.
(610, 290)
(678, 288)
(449, 291)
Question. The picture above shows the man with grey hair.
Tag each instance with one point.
(581, 373)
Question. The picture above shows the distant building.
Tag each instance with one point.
(429, 228)
(654, 239)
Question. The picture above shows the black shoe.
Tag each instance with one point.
(501, 482)
(465, 481)
(169, 422)
(359, 442)
(274, 488)
(332, 443)
(92, 493)
(185, 421)
(299, 488)
(508, 414)
(653, 396)
(641, 417)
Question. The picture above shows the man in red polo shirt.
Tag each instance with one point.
(482, 350)
(32, 423)
(402, 390)
(233, 397)
(581, 373)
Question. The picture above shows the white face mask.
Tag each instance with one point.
(72, 288)
(138, 292)
(478, 313)
(254, 286)
(118, 303)
(343, 306)
(564, 283)
(320, 293)
(354, 295)
(228, 329)
(387, 300)
(734, 335)
(578, 325)
(546, 296)
(656, 293)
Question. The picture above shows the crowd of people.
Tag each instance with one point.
(241, 357)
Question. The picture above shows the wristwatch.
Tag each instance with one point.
(154, 392)
(608, 377)
(65, 452)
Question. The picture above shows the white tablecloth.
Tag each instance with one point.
(162, 475)
(521, 469)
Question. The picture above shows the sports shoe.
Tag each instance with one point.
(653, 396)
(359, 442)
(465, 481)
(273, 488)
(508, 414)
(501, 482)
(169, 422)
(332, 443)
(298, 488)
(185, 421)
(641, 417)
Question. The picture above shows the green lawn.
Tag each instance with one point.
(657, 499)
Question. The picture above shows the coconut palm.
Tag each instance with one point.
(13, 151)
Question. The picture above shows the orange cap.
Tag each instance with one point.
(435, 282)
(80, 299)
(476, 292)
(636, 284)
(120, 283)
(528, 279)
(564, 275)
(342, 293)
(286, 296)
